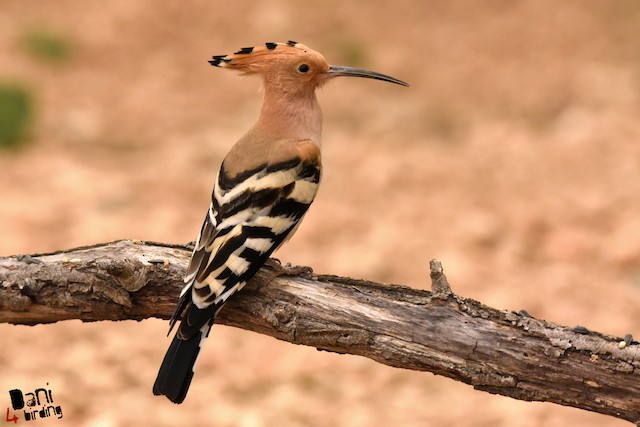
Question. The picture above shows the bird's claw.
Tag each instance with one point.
(287, 269)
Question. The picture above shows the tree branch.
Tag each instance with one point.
(498, 351)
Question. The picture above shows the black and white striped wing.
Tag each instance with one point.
(251, 215)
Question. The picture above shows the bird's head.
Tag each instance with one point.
(291, 67)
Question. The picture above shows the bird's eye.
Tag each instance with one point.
(303, 68)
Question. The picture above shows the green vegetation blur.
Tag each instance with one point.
(16, 114)
(17, 100)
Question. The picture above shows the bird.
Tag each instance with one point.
(264, 186)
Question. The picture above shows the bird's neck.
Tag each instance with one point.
(290, 116)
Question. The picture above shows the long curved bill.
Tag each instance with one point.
(339, 70)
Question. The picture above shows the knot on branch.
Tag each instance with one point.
(127, 273)
(439, 284)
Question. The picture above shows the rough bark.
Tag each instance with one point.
(498, 351)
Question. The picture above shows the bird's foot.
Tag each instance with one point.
(287, 269)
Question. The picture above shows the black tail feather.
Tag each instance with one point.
(176, 371)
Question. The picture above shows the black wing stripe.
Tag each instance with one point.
(202, 291)
(250, 199)
(258, 232)
(287, 189)
(212, 297)
(227, 183)
(290, 208)
(250, 255)
(225, 274)
(224, 231)
(287, 164)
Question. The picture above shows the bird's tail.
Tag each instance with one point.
(178, 366)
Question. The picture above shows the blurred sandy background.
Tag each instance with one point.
(514, 158)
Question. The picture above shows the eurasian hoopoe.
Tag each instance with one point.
(264, 187)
